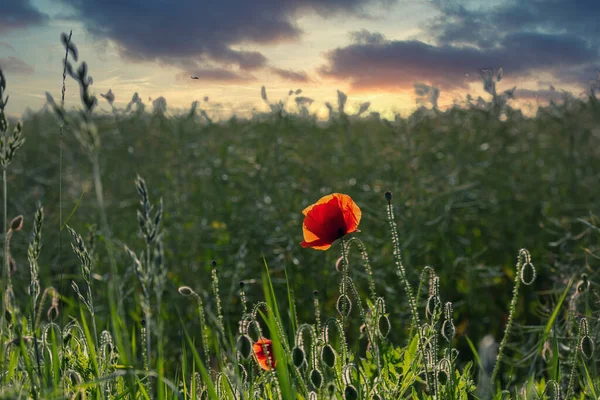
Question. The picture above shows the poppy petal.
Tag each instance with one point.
(352, 214)
(317, 244)
(326, 221)
(308, 235)
(322, 200)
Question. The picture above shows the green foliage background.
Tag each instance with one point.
(470, 190)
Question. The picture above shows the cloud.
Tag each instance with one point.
(486, 26)
(290, 75)
(374, 62)
(15, 65)
(209, 32)
(18, 14)
(6, 46)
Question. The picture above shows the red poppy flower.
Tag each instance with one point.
(261, 356)
(329, 219)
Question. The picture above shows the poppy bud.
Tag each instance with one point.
(350, 393)
(344, 305)
(298, 357)
(388, 196)
(384, 326)
(527, 274)
(587, 347)
(244, 346)
(331, 389)
(316, 378)
(328, 355)
(442, 377)
(17, 223)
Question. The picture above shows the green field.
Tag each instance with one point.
(471, 187)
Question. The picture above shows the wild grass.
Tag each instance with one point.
(180, 280)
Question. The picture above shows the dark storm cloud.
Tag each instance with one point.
(15, 65)
(15, 14)
(290, 75)
(209, 31)
(485, 26)
(559, 37)
(395, 65)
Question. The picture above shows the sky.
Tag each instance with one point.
(372, 50)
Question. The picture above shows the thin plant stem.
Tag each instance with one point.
(148, 317)
(6, 239)
(399, 266)
(60, 162)
(513, 306)
(581, 332)
(344, 296)
(100, 193)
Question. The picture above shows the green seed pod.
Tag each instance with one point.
(350, 393)
(587, 347)
(244, 346)
(298, 357)
(316, 378)
(384, 326)
(328, 355)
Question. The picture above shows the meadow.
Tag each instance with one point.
(147, 253)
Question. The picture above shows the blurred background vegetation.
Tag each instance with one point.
(472, 185)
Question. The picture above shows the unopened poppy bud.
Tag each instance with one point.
(331, 389)
(587, 347)
(298, 357)
(442, 377)
(328, 356)
(244, 346)
(17, 223)
(350, 393)
(344, 305)
(384, 326)
(388, 196)
(316, 378)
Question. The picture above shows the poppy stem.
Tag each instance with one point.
(401, 272)
(343, 295)
(523, 259)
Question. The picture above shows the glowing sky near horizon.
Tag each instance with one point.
(373, 50)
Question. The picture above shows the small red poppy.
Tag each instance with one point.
(261, 356)
(329, 219)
